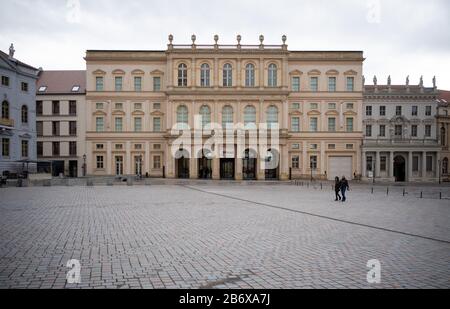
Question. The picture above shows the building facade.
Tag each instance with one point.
(60, 125)
(444, 137)
(400, 133)
(18, 116)
(139, 103)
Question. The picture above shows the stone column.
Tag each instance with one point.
(410, 166)
(216, 168)
(284, 163)
(193, 166)
(424, 164)
(322, 157)
(364, 164)
(146, 158)
(377, 164)
(391, 165)
(128, 169)
(238, 168)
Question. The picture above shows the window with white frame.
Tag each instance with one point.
(182, 75)
(273, 71)
(205, 112)
(295, 124)
(314, 84)
(118, 124)
(182, 117)
(313, 124)
(227, 75)
(331, 84)
(227, 116)
(205, 75)
(250, 75)
(137, 124)
(272, 116)
(99, 124)
(137, 83)
(156, 124)
(118, 83)
(296, 84)
(99, 83)
(296, 162)
(350, 84)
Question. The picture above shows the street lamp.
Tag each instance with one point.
(84, 165)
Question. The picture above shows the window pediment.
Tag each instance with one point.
(118, 113)
(157, 113)
(350, 73)
(350, 113)
(296, 72)
(314, 113)
(332, 72)
(137, 72)
(296, 113)
(314, 72)
(99, 113)
(118, 72)
(99, 72)
(156, 72)
(138, 113)
(332, 113)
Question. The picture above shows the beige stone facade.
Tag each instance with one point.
(443, 120)
(135, 98)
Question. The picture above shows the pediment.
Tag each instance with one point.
(99, 72)
(296, 113)
(137, 72)
(350, 73)
(313, 113)
(350, 113)
(296, 72)
(138, 113)
(314, 72)
(332, 113)
(99, 113)
(399, 119)
(118, 72)
(332, 72)
(157, 113)
(157, 72)
(118, 113)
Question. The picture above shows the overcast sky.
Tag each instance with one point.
(398, 37)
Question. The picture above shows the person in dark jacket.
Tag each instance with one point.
(337, 188)
(344, 188)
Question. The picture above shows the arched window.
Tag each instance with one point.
(250, 117)
(24, 114)
(5, 110)
(249, 75)
(204, 75)
(182, 75)
(227, 75)
(272, 116)
(443, 137)
(182, 117)
(205, 112)
(227, 116)
(445, 166)
(272, 75)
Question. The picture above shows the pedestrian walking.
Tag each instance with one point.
(337, 188)
(344, 188)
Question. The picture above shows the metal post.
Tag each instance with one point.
(84, 165)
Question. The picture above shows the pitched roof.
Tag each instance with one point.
(61, 82)
(18, 65)
(444, 96)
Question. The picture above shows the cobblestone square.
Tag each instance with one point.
(218, 235)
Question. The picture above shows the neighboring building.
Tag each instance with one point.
(135, 98)
(444, 129)
(17, 121)
(60, 109)
(400, 133)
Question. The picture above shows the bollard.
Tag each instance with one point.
(440, 195)
(372, 190)
(387, 191)
(321, 186)
(421, 194)
(404, 192)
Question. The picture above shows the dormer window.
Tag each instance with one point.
(42, 89)
(75, 88)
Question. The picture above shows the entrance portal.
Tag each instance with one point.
(205, 167)
(227, 169)
(182, 164)
(272, 164)
(249, 167)
(400, 169)
(73, 169)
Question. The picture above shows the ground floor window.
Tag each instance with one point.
(383, 163)
(157, 162)
(313, 162)
(5, 147)
(24, 149)
(295, 162)
(100, 162)
(445, 166)
(369, 164)
(415, 164)
(119, 165)
(429, 163)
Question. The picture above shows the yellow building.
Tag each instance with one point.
(137, 99)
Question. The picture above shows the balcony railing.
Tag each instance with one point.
(7, 122)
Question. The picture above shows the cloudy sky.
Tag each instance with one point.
(398, 37)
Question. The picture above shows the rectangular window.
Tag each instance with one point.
(428, 130)
(39, 108)
(296, 162)
(313, 146)
(414, 131)
(331, 84)
(118, 83)
(55, 128)
(314, 84)
(24, 149)
(5, 81)
(55, 148)
(156, 124)
(295, 124)
(296, 84)
(99, 124)
(369, 163)
(314, 106)
(349, 146)
(350, 84)
(296, 146)
(157, 162)
(99, 106)
(99, 83)
(398, 110)
(72, 148)
(118, 146)
(138, 106)
(72, 108)
(382, 110)
(118, 124)
(118, 106)
(332, 124)
(349, 124)
(157, 146)
(313, 124)
(428, 111)
(100, 162)
(295, 106)
(382, 130)
(415, 164)
(350, 106)
(415, 110)
(156, 84)
(398, 130)
(40, 149)
(99, 146)
(332, 146)
(313, 162)
(368, 110)
(39, 128)
(332, 106)
(24, 87)
(157, 106)
(137, 83)
(383, 163)
(137, 124)
(55, 107)
(72, 128)
(429, 163)
(368, 130)
(5, 147)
